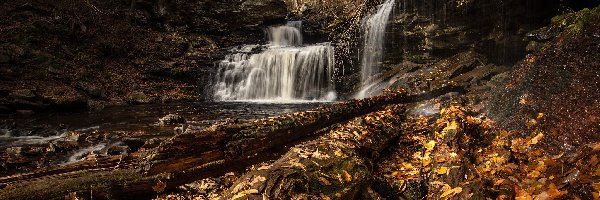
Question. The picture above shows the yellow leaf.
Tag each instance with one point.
(452, 192)
(244, 193)
(499, 182)
(534, 174)
(346, 176)
(340, 153)
(442, 170)
(540, 115)
(324, 181)
(472, 120)
(356, 133)
(407, 166)
(453, 155)
(426, 160)
(596, 186)
(537, 138)
(430, 145)
(324, 197)
(522, 101)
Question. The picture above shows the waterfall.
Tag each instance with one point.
(374, 38)
(283, 70)
(288, 35)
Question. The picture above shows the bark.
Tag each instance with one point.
(337, 165)
(229, 142)
(191, 156)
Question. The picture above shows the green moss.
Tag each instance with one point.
(573, 23)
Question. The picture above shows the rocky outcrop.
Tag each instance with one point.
(556, 90)
(87, 54)
(424, 32)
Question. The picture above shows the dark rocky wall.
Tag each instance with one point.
(88, 54)
(426, 31)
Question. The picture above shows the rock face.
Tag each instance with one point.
(87, 54)
(424, 32)
(555, 91)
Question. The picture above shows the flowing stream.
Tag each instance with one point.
(374, 40)
(103, 132)
(285, 70)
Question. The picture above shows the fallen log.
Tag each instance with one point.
(229, 142)
(337, 165)
(195, 155)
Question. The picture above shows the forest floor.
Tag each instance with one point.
(459, 128)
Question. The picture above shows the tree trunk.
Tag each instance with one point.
(337, 165)
(191, 156)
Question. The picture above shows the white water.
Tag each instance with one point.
(288, 35)
(285, 71)
(374, 40)
(28, 140)
(79, 154)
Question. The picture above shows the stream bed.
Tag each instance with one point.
(30, 142)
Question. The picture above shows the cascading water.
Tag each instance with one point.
(284, 70)
(374, 36)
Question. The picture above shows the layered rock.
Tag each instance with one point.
(77, 55)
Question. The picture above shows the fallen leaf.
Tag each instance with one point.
(596, 186)
(499, 182)
(534, 174)
(429, 145)
(159, 187)
(71, 196)
(324, 181)
(553, 192)
(346, 176)
(451, 192)
(244, 193)
(442, 170)
(324, 197)
(537, 138)
(426, 160)
(522, 101)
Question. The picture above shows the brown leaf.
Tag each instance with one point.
(159, 187)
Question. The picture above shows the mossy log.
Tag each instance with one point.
(337, 165)
(191, 156)
(230, 143)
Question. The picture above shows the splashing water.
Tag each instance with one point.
(79, 154)
(374, 36)
(288, 35)
(284, 71)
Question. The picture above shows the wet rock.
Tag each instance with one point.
(134, 144)
(73, 136)
(62, 97)
(22, 94)
(92, 90)
(33, 151)
(139, 98)
(558, 84)
(96, 105)
(171, 119)
(543, 34)
(25, 113)
(65, 146)
(117, 150)
(4, 58)
(14, 150)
